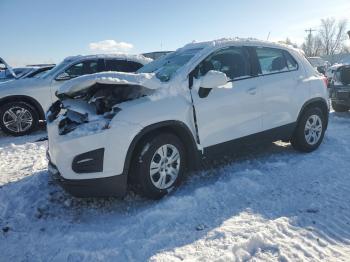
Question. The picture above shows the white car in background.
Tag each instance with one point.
(147, 128)
(24, 101)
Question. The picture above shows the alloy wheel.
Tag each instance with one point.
(17, 119)
(313, 129)
(165, 166)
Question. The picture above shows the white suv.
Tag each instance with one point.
(109, 130)
(24, 101)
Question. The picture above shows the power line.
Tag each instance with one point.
(310, 31)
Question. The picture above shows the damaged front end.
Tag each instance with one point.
(90, 107)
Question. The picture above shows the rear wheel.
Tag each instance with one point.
(339, 108)
(18, 118)
(159, 165)
(310, 131)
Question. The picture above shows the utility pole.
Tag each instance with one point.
(349, 33)
(309, 39)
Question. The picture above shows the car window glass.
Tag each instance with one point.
(271, 60)
(122, 65)
(291, 63)
(233, 61)
(82, 68)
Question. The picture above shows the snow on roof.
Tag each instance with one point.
(136, 58)
(237, 40)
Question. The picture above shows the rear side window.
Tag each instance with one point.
(122, 65)
(271, 60)
(291, 63)
(233, 61)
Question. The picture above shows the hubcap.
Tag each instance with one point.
(313, 129)
(165, 166)
(17, 119)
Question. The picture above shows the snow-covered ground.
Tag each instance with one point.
(272, 205)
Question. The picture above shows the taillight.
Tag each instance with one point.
(325, 81)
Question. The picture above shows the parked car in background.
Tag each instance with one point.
(6, 72)
(157, 54)
(199, 102)
(331, 71)
(319, 64)
(340, 89)
(24, 101)
(37, 71)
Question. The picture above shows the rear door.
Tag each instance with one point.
(233, 110)
(279, 83)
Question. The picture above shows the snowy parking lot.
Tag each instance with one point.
(273, 205)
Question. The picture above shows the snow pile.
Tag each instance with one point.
(270, 204)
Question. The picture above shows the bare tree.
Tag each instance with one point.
(332, 35)
(312, 46)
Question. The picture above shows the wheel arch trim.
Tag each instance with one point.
(317, 100)
(27, 99)
(178, 128)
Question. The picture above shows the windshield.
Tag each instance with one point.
(165, 67)
(56, 69)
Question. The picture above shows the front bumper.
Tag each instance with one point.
(100, 157)
(114, 186)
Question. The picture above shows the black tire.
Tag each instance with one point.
(140, 171)
(16, 106)
(339, 108)
(298, 140)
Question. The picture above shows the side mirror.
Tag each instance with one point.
(213, 79)
(63, 76)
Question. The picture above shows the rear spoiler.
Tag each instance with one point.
(9, 68)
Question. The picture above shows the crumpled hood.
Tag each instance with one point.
(81, 83)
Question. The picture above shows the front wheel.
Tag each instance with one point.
(18, 118)
(310, 131)
(159, 165)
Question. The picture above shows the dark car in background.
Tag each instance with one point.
(340, 89)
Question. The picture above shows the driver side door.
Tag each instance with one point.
(234, 110)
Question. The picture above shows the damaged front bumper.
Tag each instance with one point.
(92, 165)
(114, 186)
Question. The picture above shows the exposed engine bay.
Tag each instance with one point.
(95, 105)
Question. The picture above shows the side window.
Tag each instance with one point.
(122, 65)
(83, 68)
(291, 63)
(233, 61)
(271, 60)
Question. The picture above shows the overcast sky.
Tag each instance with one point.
(47, 31)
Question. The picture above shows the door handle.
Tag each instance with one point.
(251, 91)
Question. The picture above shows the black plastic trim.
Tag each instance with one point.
(315, 100)
(284, 132)
(89, 162)
(187, 138)
(114, 186)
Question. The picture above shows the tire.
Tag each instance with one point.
(339, 108)
(11, 111)
(163, 179)
(310, 131)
